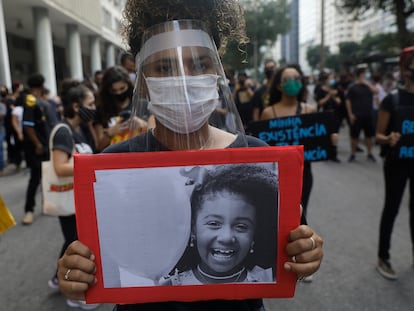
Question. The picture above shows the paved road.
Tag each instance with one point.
(344, 208)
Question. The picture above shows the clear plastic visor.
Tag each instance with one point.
(182, 85)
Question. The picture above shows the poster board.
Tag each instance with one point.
(108, 187)
(312, 130)
(404, 149)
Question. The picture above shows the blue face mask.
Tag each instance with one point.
(292, 87)
(332, 82)
(367, 75)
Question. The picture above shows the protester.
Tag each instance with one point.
(396, 171)
(182, 80)
(114, 108)
(128, 62)
(242, 97)
(260, 99)
(3, 111)
(287, 95)
(329, 101)
(359, 98)
(78, 110)
(17, 123)
(15, 140)
(36, 134)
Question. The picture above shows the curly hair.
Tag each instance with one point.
(258, 186)
(224, 18)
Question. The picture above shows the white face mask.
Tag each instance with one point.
(183, 104)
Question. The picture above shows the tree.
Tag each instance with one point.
(313, 55)
(265, 20)
(402, 9)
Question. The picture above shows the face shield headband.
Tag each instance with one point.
(181, 82)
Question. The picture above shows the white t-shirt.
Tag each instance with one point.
(18, 111)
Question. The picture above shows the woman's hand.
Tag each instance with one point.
(393, 138)
(76, 271)
(305, 250)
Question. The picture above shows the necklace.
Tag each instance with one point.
(227, 277)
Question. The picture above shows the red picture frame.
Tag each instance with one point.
(289, 161)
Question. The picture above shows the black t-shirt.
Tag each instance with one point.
(147, 142)
(66, 140)
(34, 115)
(330, 105)
(361, 99)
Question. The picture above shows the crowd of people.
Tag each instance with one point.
(102, 114)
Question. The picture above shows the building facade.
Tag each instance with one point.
(338, 26)
(58, 38)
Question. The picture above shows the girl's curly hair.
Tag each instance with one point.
(224, 18)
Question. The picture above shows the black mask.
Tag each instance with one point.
(3, 94)
(268, 73)
(86, 114)
(122, 96)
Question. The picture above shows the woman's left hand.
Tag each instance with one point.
(305, 251)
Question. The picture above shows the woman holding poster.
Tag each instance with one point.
(179, 79)
(287, 94)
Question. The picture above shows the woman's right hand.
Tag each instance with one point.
(76, 271)
(393, 138)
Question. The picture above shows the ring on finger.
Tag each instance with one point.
(313, 243)
(67, 275)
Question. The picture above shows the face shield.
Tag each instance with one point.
(181, 84)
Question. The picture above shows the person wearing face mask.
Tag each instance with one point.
(286, 95)
(113, 116)
(359, 98)
(260, 97)
(78, 111)
(179, 81)
(242, 97)
(328, 100)
(397, 172)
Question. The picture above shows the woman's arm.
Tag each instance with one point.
(382, 125)
(61, 164)
(16, 127)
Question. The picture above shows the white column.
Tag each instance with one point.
(95, 52)
(45, 59)
(110, 55)
(5, 77)
(75, 52)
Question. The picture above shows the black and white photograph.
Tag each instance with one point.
(188, 225)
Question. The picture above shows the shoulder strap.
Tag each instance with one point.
(53, 133)
(299, 109)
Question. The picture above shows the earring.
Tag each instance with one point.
(192, 239)
(252, 248)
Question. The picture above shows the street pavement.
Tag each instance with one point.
(344, 208)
